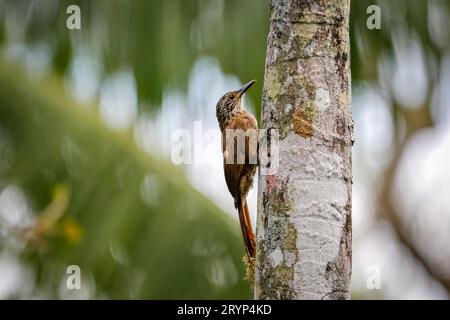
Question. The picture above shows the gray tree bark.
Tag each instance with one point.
(304, 210)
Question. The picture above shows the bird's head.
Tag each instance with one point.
(230, 103)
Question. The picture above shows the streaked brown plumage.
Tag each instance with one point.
(236, 123)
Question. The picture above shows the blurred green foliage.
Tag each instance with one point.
(159, 40)
(134, 224)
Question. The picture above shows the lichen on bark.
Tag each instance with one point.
(304, 210)
(303, 119)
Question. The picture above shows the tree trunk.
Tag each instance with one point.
(304, 210)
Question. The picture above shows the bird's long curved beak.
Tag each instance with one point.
(245, 87)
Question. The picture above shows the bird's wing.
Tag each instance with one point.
(237, 161)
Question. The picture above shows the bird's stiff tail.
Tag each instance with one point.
(246, 228)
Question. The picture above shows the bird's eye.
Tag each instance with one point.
(231, 96)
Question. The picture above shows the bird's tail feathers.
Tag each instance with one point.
(246, 228)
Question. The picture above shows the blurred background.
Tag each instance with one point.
(87, 122)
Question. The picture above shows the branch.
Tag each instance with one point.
(388, 211)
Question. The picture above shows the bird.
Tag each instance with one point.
(239, 155)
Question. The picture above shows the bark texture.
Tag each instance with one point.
(304, 210)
